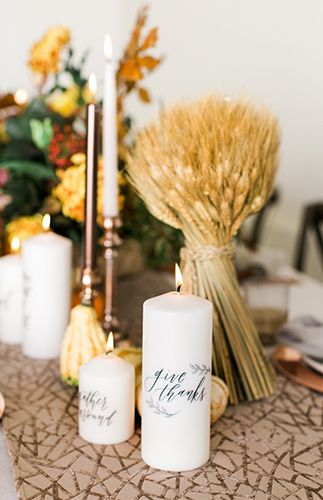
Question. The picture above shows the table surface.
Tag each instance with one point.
(266, 449)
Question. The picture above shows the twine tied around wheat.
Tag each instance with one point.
(190, 255)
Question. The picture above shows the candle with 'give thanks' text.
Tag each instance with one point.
(106, 398)
(176, 380)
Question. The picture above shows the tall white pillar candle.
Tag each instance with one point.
(106, 400)
(46, 259)
(176, 390)
(110, 137)
(11, 299)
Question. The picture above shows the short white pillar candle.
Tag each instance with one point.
(106, 399)
(47, 263)
(11, 299)
(176, 387)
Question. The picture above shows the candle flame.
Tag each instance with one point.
(110, 343)
(178, 278)
(108, 51)
(46, 222)
(21, 96)
(86, 279)
(92, 85)
(15, 244)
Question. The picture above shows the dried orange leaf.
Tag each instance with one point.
(144, 95)
(148, 62)
(150, 40)
(130, 70)
(141, 20)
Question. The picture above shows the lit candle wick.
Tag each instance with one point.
(108, 52)
(15, 244)
(110, 343)
(178, 279)
(21, 96)
(92, 86)
(46, 223)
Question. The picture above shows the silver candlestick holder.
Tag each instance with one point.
(111, 243)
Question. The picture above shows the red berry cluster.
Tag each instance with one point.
(64, 144)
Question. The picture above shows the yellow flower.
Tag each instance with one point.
(65, 103)
(71, 190)
(3, 136)
(45, 54)
(24, 227)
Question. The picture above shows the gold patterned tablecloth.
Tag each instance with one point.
(269, 449)
(264, 450)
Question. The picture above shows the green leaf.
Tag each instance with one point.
(41, 132)
(48, 127)
(30, 168)
(56, 87)
(37, 109)
(22, 150)
(26, 197)
(18, 129)
(84, 58)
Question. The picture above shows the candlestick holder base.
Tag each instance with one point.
(111, 243)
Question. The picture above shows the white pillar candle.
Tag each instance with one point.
(176, 388)
(11, 299)
(47, 259)
(106, 400)
(110, 137)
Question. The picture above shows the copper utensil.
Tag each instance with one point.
(2, 405)
(288, 361)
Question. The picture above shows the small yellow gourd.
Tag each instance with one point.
(131, 354)
(83, 340)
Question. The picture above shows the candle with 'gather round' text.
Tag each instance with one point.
(106, 399)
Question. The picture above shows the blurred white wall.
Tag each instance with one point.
(270, 49)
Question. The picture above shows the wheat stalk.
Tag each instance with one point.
(203, 167)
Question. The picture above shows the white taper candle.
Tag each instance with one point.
(110, 137)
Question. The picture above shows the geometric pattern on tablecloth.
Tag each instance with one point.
(268, 449)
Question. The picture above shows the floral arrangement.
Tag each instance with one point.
(42, 147)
